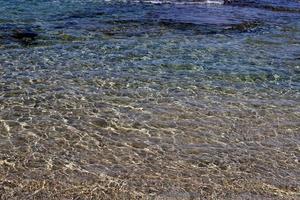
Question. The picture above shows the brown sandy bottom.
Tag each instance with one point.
(149, 101)
(205, 144)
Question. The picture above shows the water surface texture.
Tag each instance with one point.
(149, 99)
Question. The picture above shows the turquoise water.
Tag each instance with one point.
(151, 100)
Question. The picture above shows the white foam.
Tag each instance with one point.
(219, 2)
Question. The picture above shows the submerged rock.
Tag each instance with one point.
(245, 26)
(24, 34)
(10, 34)
(100, 122)
(128, 27)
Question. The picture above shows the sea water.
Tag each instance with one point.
(149, 99)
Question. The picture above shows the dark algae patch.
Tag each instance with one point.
(149, 100)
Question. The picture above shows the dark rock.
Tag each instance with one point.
(245, 26)
(85, 14)
(201, 28)
(24, 35)
(178, 25)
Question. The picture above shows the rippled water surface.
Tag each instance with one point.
(149, 99)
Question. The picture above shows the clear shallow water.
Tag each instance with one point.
(151, 100)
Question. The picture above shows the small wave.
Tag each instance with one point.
(219, 2)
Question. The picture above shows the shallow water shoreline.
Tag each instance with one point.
(133, 100)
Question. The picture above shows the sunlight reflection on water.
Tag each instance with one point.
(129, 100)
